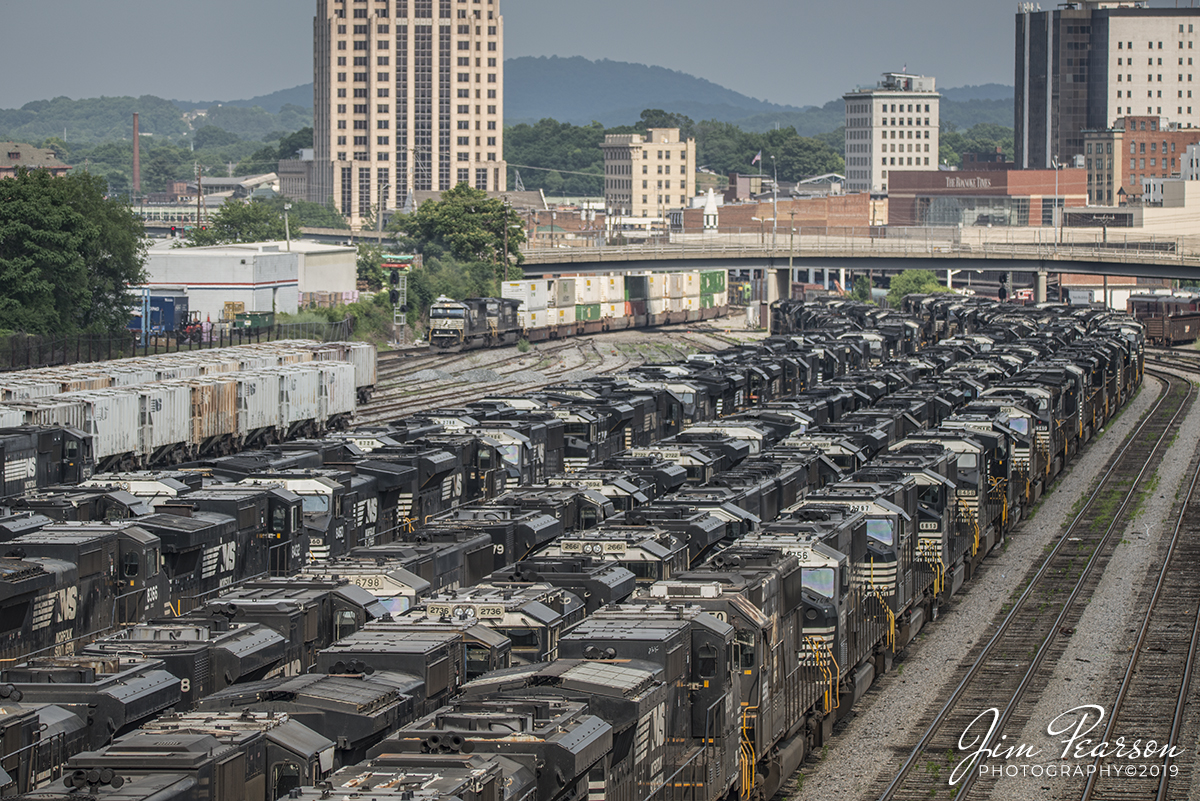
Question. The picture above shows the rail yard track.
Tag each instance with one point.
(1009, 667)
(1149, 702)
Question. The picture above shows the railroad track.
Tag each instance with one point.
(1149, 702)
(443, 394)
(1008, 669)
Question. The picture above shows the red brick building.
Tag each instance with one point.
(1122, 157)
(833, 215)
(983, 197)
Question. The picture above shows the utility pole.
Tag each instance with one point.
(506, 239)
(287, 231)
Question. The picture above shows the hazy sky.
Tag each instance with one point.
(786, 51)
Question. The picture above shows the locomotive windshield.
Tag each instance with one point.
(882, 531)
(819, 580)
(447, 311)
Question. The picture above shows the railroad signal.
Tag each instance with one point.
(394, 296)
(394, 278)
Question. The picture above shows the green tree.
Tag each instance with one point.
(465, 225)
(913, 282)
(235, 221)
(212, 136)
(66, 254)
(304, 214)
(370, 261)
(862, 289)
(290, 144)
(657, 118)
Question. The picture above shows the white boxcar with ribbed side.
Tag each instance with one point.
(111, 417)
(259, 411)
(56, 411)
(301, 391)
(165, 419)
(19, 389)
(10, 417)
(338, 396)
(364, 357)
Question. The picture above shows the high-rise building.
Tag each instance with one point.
(647, 176)
(407, 95)
(889, 128)
(1089, 62)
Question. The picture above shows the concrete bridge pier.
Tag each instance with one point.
(1039, 294)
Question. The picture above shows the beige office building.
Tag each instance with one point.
(407, 95)
(891, 128)
(646, 176)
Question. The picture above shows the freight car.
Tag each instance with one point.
(565, 306)
(841, 498)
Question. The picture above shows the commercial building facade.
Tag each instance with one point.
(407, 95)
(985, 197)
(647, 176)
(891, 128)
(1083, 65)
(264, 277)
(1120, 160)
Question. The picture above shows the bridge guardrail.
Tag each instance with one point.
(1100, 247)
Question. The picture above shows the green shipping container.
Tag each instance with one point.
(636, 287)
(712, 281)
(588, 312)
(707, 300)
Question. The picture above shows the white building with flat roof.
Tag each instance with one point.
(891, 127)
(264, 277)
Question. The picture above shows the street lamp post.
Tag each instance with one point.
(774, 205)
(379, 213)
(287, 231)
(1058, 212)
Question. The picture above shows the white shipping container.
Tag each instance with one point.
(10, 417)
(111, 417)
(301, 391)
(563, 293)
(532, 294)
(258, 406)
(165, 416)
(533, 319)
(658, 306)
(589, 290)
(691, 284)
(613, 290)
(564, 315)
(337, 389)
(721, 298)
(612, 310)
(676, 281)
(658, 286)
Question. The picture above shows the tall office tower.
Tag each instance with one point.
(892, 127)
(408, 95)
(1089, 62)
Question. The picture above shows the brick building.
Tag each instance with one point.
(841, 215)
(1134, 149)
(984, 197)
(14, 155)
